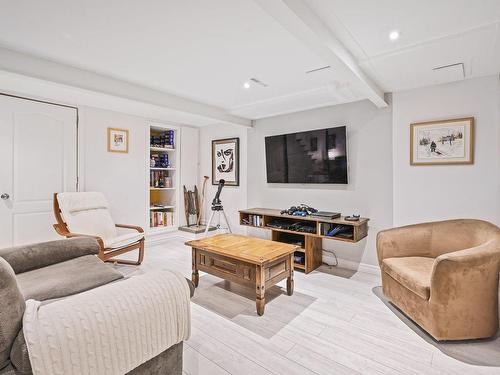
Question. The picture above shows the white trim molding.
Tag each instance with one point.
(46, 70)
(351, 265)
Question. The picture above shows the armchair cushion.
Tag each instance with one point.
(11, 311)
(414, 273)
(87, 213)
(123, 240)
(29, 257)
(66, 278)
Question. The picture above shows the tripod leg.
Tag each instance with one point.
(209, 222)
(227, 222)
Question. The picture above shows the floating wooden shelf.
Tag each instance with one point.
(162, 169)
(152, 188)
(312, 242)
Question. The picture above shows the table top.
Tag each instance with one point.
(245, 248)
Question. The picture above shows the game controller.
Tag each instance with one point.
(300, 210)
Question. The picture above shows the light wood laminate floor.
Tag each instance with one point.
(335, 323)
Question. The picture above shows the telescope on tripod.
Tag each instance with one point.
(217, 207)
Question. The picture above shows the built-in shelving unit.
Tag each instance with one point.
(307, 233)
(163, 181)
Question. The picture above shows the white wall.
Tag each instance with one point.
(233, 198)
(369, 192)
(121, 177)
(429, 193)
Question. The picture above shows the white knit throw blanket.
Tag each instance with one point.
(108, 330)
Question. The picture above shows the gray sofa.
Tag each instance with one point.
(49, 271)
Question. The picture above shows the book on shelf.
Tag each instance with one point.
(160, 179)
(161, 219)
(159, 161)
(163, 140)
(254, 220)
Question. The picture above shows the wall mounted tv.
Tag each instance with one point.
(311, 157)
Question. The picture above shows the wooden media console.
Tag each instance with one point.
(310, 241)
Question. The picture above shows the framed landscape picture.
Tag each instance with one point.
(226, 161)
(117, 140)
(442, 142)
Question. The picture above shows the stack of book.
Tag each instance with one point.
(159, 161)
(254, 220)
(160, 179)
(161, 218)
(164, 140)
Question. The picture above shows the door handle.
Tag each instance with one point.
(4, 196)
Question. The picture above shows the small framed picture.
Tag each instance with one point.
(442, 142)
(226, 161)
(117, 140)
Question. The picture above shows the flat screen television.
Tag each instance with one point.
(311, 157)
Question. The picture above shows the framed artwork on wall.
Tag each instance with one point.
(226, 161)
(442, 142)
(117, 140)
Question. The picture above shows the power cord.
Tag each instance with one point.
(334, 255)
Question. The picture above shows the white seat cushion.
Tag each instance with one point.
(87, 213)
(123, 240)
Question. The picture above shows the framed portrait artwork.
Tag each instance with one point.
(226, 161)
(442, 142)
(117, 140)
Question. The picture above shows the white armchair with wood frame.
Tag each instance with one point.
(86, 214)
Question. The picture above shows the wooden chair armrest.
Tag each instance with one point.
(137, 228)
(97, 238)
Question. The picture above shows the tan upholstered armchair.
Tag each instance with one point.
(444, 276)
(86, 214)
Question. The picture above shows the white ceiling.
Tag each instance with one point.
(205, 50)
(433, 33)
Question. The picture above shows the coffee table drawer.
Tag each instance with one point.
(225, 267)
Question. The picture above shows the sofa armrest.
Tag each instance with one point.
(19, 356)
(411, 240)
(467, 274)
(30, 257)
(12, 308)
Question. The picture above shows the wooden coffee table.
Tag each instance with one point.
(245, 260)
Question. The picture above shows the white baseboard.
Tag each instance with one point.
(351, 265)
(153, 238)
(158, 237)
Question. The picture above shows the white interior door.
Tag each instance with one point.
(38, 157)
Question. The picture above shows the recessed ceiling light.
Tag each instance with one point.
(246, 85)
(394, 35)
